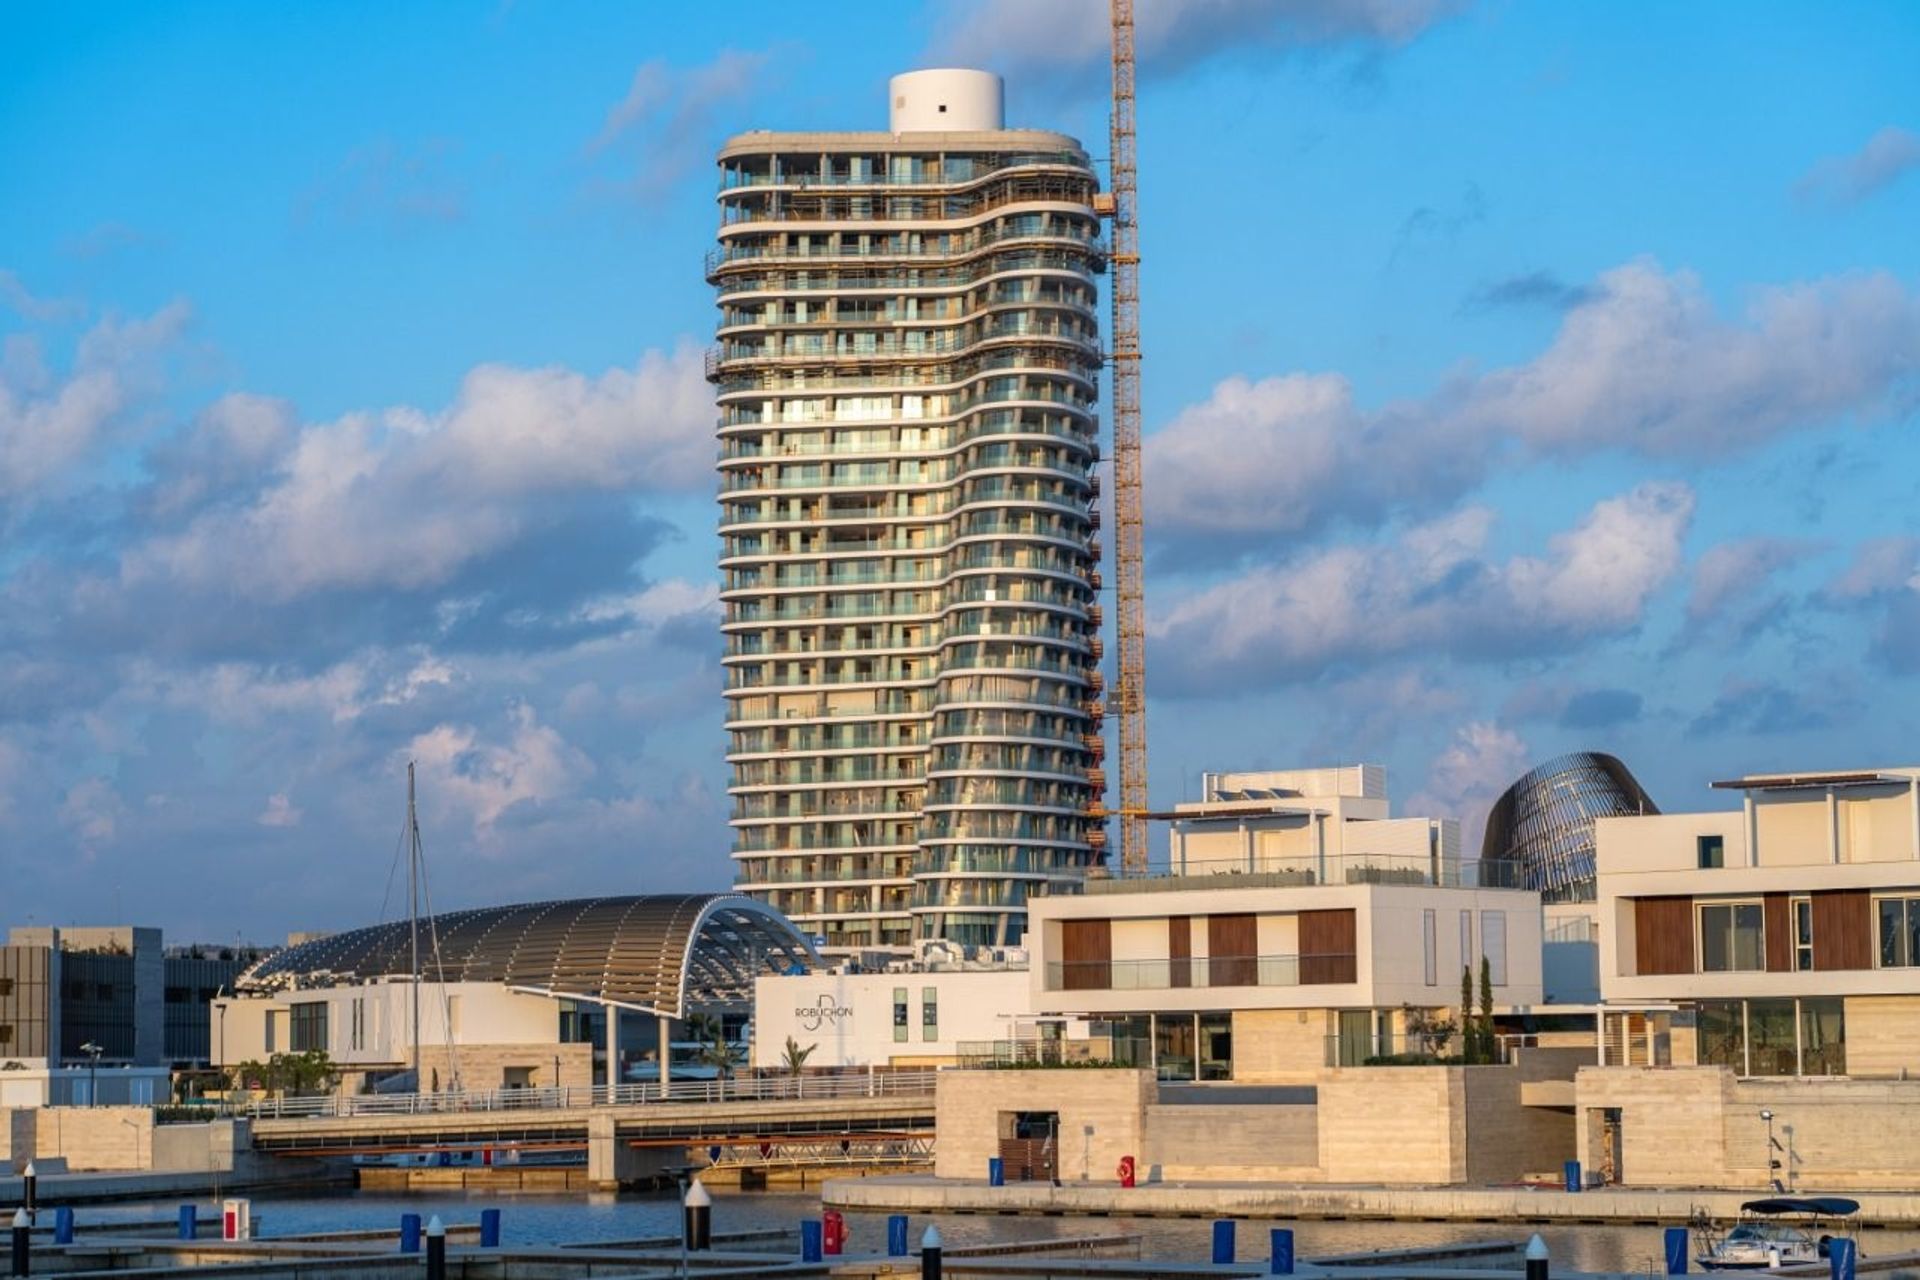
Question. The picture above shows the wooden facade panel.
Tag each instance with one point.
(1663, 935)
(1779, 935)
(1233, 951)
(1327, 943)
(1086, 954)
(1843, 929)
(1180, 951)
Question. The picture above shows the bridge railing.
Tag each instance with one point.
(879, 1084)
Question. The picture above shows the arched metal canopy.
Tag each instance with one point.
(672, 954)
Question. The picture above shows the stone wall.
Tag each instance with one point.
(1271, 1142)
(1393, 1125)
(1701, 1127)
(1279, 1046)
(1883, 1035)
(1506, 1141)
(1102, 1116)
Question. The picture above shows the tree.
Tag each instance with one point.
(716, 1050)
(1428, 1034)
(1469, 1032)
(794, 1057)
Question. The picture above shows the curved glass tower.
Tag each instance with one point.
(1540, 832)
(906, 375)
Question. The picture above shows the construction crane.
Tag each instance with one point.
(1130, 688)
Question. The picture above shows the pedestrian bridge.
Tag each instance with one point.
(629, 1132)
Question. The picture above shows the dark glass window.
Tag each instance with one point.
(1803, 934)
(1771, 1050)
(1823, 1036)
(1899, 932)
(1723, 1034)
(1713, 851)
(1732, 938)
(307, 1027)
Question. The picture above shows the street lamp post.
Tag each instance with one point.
(1773, 1165)
(93, 1052)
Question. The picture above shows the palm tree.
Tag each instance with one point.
(794, 1059)
(716, 1050)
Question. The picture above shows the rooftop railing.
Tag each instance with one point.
(1296, 871)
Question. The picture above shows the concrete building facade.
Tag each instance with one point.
(906, 375)
(1778, 939)
(911, 1017)
(1297, 922)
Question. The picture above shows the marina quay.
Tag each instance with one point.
(1007, 639)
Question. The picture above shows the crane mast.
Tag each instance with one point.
(1130, 694)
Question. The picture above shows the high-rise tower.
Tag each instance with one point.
(906, 374)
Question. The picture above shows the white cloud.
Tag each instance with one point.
(391, 183)
(404, 500)
(461, 774)
(1886, 157)
(1432, 592)
(15, 296)
(1646, 365)
(1736, 569)
(93, 811)
(1878, 566)
(1482, 761)
(1170, 34)
(280, 812)
(670, 114)
(49, 425)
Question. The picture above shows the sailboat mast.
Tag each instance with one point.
(413, 920)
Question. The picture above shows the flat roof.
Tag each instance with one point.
(1792, 781)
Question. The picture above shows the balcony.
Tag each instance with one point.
(1201, 971)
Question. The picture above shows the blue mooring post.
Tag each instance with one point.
(1572, 1172)
(897, 1235)
(489, 1228)
(1841, 1258)
(409, 1233)
(63, 1225)
(1676, 1251)
(189, 1223)
(810, 1241)
(1223, 1241)
(996, 1172)
(1280, 1254)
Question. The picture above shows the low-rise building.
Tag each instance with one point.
(1295, 926)
(592, 991)
(104, 1014)
(937, 1010)
(1781, 938)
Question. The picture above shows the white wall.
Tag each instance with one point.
(849, 1016)
(482, 1013)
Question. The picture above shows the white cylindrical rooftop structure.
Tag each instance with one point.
(946, 99)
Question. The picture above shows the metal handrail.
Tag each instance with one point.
(879, 1084)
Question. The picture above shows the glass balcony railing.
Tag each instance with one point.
(1201, 971)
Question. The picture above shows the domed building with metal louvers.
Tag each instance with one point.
(1540, 834)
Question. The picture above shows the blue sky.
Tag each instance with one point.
(1520, 378)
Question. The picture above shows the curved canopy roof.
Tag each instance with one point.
(672, 954)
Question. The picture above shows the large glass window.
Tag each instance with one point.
(1771, 1038)
(1732, 938)
(1899, 932)
(307, 1027)
(1216, 1046)
(1723, 1034)
(1173, 1035)
(1823, 1036)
